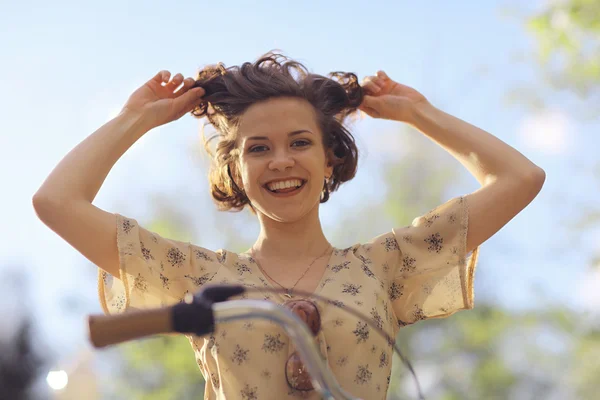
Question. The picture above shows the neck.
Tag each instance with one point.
(291, 240)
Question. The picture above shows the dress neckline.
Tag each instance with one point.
(268, 283)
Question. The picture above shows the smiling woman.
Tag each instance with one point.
(281, 150)
(255, 105)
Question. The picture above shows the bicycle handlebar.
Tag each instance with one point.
(107, 330)
(199, 316)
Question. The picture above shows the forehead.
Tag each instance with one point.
(277, 116)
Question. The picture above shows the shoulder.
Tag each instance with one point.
(376, 255)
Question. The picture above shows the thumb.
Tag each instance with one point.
(371, 102)
(371, 105)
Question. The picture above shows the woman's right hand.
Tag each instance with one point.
(158, 103)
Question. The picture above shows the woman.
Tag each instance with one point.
(283, 149)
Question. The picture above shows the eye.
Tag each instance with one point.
(258, 148)
(301, 143)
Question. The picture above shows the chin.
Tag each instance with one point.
(286, 211)
(287, 216)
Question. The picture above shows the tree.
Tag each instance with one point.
(567, 35)
(488, 352)
(485, 353)
(163, 367)
(159, 368)
(20, 364)
(568, 41)
(21, 361)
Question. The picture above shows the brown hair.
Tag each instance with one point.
(231, 91)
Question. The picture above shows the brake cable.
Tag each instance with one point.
(218, 293)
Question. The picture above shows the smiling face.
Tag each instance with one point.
(282, 162)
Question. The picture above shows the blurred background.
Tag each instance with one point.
(528, 72)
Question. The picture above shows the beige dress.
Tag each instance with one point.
(409, 274)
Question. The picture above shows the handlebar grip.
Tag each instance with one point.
(105, 330)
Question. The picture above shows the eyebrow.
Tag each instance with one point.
(293, 133)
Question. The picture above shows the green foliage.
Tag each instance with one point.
(418, 181)
(567, 35)
(568, 40)
(490, 353)
(484, 353)
(168, 230)
(161, 368)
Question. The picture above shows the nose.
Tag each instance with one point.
(281, 161)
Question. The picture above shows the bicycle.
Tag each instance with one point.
(199, 313)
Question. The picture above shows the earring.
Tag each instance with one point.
(325, 191)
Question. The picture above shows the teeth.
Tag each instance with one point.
(284, 184)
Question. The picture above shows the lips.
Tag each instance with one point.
(284, 185)
(283, 191)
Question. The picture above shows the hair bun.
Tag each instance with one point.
(349, 82)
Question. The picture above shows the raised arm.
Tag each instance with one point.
(64, 201)
(509, 180)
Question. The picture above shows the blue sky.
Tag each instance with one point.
(68, 67)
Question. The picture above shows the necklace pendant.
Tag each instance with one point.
(288, 295)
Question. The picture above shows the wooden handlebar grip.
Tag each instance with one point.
(105, 330)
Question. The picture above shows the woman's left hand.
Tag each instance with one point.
(387, 99)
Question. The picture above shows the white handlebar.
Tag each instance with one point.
(106, 330)
(322, 379)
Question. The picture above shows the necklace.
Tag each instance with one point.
(288, 293)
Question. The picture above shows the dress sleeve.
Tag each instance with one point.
(433, 275)
(154, 271)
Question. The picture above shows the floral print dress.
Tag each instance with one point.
(409, 274)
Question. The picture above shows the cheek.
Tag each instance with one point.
(249, 172)
(316, 162)
(245, 175)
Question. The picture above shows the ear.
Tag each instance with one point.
(329, 172)
(328, 164)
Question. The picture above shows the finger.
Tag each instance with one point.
(370, 86)
(158, 77)
(175, 82)
(371, 101)
(382, 75)
(368, 111)
(370, 105)
(375, 83)
(188, 100)
(367, 80)
(162, 76)
(187, 84)
(378, 81)
(165, 76)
